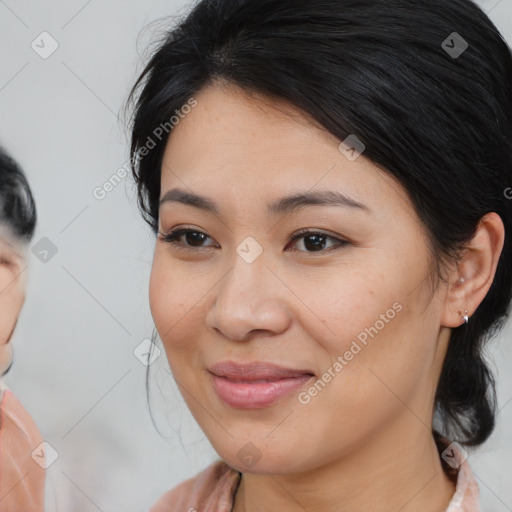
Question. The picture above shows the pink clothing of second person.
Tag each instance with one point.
(22, 459)
(214, 489)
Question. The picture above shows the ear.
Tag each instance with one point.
(470, 281)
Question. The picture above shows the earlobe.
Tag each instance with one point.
(465, 317)
(474, 272)
(456, 309)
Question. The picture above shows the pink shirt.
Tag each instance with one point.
(22, 460)
(214, 488)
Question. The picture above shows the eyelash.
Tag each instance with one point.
(174, 236)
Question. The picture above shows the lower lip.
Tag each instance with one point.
(255, 395)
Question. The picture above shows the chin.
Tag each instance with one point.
(254, 457)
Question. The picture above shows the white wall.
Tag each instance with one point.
(87, 307)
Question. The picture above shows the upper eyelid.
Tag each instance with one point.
(300, 232)
(309, 231)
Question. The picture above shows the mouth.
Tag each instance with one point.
(257, 384)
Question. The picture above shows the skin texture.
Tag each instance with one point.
(12, 293)
(364, 441)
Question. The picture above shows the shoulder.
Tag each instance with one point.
(22, 458)
(215, 485)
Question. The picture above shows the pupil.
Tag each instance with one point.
(318, 241)
(194, 235)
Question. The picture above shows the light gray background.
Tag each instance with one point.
(87, 307)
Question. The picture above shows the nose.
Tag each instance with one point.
(250, 299)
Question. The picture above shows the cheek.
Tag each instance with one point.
(371, 321)
(383, 363)
(5, 357)
(176, 307)
(345, 302)
(11, 302)
(167, 293)
(7, 319)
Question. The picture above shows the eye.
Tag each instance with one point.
(193, 237)
(313, 241)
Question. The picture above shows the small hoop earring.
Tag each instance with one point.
(466, 319)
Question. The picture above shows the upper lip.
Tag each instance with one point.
(255, 370)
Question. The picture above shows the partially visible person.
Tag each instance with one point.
(22, 479)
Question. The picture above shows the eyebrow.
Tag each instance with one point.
(281, 206)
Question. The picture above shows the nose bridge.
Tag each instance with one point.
(249, 266)
(248, 296)
(247, 278)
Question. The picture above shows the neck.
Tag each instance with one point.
(398, 469)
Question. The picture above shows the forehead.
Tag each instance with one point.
(237, 144)
(241, 125)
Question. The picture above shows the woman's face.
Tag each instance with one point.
(344, 311)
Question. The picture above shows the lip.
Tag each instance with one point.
(255, 385)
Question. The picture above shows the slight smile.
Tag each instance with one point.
(256, 384)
